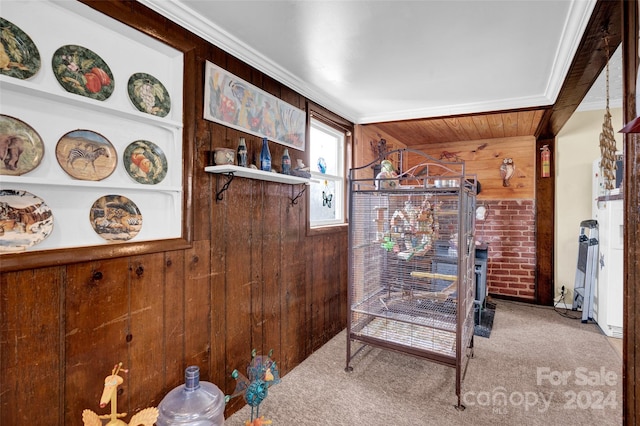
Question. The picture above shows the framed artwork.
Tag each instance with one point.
(233, 102)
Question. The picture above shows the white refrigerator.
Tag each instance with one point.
(608, 210)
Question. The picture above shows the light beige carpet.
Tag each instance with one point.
(537, 368)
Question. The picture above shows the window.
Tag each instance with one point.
(327, 189)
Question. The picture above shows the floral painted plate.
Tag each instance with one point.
(145, 162)
(82, 72)
(21, 147)
(86, 155)
(25, 220)
(148, 94)
(21, 58)
(115, 218)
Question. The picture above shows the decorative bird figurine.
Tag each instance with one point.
(262, 373)
(507, 170)
(383, 179)
(146, 417)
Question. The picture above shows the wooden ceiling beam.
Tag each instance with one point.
(588, 62)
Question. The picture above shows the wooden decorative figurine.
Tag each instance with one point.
(146, 417)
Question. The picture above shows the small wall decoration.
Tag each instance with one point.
(81, 71)
(115, 218)
(19, 56)
(25, 220)
(21, 147)
(233, 102)
(145, 162)
(507, 170)
(148, 94)
(86, 155)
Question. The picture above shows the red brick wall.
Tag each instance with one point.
(509, 230)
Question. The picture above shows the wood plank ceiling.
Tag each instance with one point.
(460, 128)
(543, 122)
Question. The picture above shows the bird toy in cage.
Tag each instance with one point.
(262, 373)
(146, 417)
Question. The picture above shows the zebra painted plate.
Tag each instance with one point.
(82, 72)
(145, 162)
(148, 94)
(21, 58)
(21, 147)
(86, 155)
(115, 218)
(25, 220)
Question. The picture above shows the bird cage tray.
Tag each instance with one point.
(411, 309)
(411, 335)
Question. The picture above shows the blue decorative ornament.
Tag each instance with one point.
(262, 372)
(322, 165)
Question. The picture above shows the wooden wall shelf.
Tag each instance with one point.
(246, 172)
(250, 173)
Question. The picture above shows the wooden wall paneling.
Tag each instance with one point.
(334, 297)
(276, 200)
(631, 331)
(545, 226)
(293, 278)
(239, 233)
(173, 338)
(96, 321)
(204, 184)
(145, 335)
(484, 157)
(309, 307)
(218, 281)
(31, 347)
(198, 307)
(313, 286)
(344, 277)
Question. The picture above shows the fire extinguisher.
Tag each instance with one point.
(545, 161)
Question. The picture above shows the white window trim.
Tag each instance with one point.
(317, 178)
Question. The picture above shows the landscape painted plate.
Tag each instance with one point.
(19, 56)
(25, 220)
(115, 218)
(145, 162)
(21, 147)
(148, 94)
(82, 72)
(86, 155)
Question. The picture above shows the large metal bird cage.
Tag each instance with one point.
(411, 260)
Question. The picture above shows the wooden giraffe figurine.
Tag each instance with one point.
(146, 417)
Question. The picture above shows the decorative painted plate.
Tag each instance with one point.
(115, 218)
(145, 162)
(148, 94)
(82, 72)
(25, 220)
(19, 56)
(21, 147)
(86, 155)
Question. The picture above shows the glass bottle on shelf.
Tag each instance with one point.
(242, 153)
(265, 156)
(286, 162)
(194, 403)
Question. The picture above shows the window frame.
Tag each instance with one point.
(338, 123)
